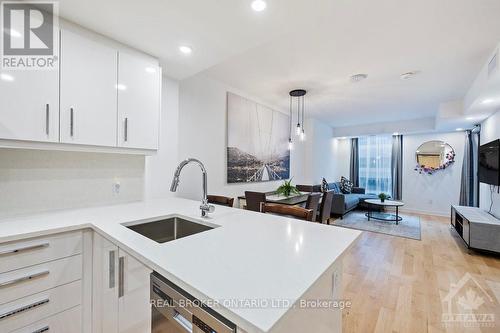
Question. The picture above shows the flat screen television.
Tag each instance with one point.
(489, 163)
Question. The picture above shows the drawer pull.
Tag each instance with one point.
(24, 248)
(24, 278)
(43, 329)
(111, 269)
(121, 276)
(24, 308)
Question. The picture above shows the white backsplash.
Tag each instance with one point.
(36, 181)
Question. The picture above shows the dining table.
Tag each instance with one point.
(292, 200)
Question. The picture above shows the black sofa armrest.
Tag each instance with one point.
(338, 204)
(358, 190)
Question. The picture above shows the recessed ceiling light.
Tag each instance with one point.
(488, 101)
(469, 118)
(186, 49)
(358, 77)
(259, 5)
(6, 77)
(409, 75)
(459, 129)
(395, 133)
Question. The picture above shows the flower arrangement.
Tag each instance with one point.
(449, 160)
(287, 188)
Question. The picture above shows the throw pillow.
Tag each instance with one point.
(346, 185)
(335, 188)
(324, 186)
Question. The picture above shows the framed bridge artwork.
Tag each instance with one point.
(257, 142)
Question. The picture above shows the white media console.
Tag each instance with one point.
(478, 229)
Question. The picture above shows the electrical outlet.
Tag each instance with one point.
(116, 188)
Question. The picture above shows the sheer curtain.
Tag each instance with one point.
(375, 164)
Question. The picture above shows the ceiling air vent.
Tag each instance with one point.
(493, 64)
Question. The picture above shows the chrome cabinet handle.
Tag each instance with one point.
(125, 134)
(24, 248)
(121, 276)
(111, 269)
(47, 119)
(43, 329)
(24, 308)
(24, 278)
(71, 122)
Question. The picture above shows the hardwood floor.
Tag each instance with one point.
(400, 285)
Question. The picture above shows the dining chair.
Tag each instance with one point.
(325, 208)
(287, 210)
(254, 200)
(220, 200)
(313, 202)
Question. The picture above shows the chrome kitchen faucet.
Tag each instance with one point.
(205, 207)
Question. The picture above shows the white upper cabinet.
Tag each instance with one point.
(88, 91)
(29, 105)
(139, 84)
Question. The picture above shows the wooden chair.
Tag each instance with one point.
(220, 200)
(254, 200)
(286, 210)
(325, 208)
(313, 202)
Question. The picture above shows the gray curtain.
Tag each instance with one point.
(397, 167)
(354, 170)
(469, 194)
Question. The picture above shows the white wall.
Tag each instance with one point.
(490, 130)
(202, 135)
(342, 159)
(160, 167)
(431, 194)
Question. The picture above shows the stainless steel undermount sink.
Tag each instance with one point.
(169, 229)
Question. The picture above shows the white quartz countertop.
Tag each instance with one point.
(249, 257)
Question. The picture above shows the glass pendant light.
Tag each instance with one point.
(299, 95)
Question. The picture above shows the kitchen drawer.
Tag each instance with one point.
(19, 254)
(69, 321)
(34, 279)
(30, 309)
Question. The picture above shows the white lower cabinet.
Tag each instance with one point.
(30, 309)
(69, 321)
(134, 309)
(120, 291)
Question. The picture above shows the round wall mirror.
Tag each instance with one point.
(433, 156)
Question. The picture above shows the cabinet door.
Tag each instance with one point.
(29, 105)
(105, 286)
(134, 305)
(88, 91)
(138, 101)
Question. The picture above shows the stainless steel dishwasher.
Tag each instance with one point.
(176, 311)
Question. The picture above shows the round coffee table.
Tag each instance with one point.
(384, 216)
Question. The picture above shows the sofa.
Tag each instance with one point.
(342, 203)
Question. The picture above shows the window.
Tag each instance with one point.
(375, 156)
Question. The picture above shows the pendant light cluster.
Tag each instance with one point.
(297, 101)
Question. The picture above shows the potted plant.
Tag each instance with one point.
(382, 197)
(287, 188)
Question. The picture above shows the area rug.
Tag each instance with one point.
(409, 227)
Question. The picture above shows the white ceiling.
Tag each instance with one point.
(315, 45)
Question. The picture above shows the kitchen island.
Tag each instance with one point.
(265, 273)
